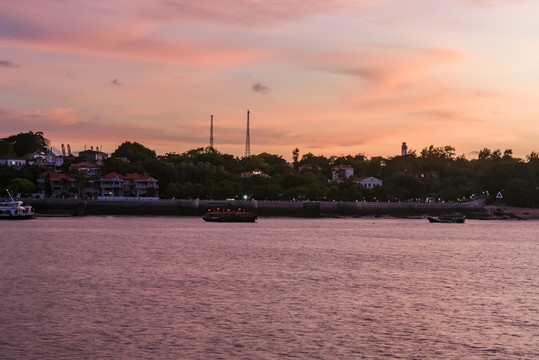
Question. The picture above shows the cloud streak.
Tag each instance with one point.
(339, 76)
(8, 64)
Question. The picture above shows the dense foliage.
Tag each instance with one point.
(206, 173)
(23, 143)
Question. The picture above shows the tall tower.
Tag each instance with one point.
(247, 139)
(211, 133)
(404, 149)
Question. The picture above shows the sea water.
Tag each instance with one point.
(180, 288)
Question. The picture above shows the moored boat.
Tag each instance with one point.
(454, 219)
(227, 213)
(15, 209)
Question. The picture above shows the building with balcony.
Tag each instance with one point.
(59, 183)
(131, 185)
(87, 169)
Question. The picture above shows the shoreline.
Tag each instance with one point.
(472, 210)
(517, 212)
(199, 207)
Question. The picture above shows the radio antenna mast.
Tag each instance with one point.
(247, 139)
(211, 133)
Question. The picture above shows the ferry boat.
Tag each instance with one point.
(227, 213)
(15, 209)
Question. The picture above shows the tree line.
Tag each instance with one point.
(206, 173)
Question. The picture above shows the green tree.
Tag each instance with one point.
(295, 157)
(48, 186)
(21, 186)
(114, 164)
(484, 154)
(27, 143)
(6, 148)
(533, 156)
(134, 151)
(520, 192)
(444, 152)
(406, 187)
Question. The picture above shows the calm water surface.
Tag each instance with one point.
(180, 288)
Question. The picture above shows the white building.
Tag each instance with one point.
(255, 172)
(369, 182)
(12, 161)
(340, 173)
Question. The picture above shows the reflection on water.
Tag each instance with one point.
(179, 288)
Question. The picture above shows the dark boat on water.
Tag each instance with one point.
(228, 213)
(454, 219)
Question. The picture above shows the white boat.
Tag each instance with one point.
(15, 209)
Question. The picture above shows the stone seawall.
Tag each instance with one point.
(262, 208)
(58, 207)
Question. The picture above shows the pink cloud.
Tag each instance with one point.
(102, 29)
(252, 12)
(130, 29)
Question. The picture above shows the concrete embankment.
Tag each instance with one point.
(58, 207)
(262, 208)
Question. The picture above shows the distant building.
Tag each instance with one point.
(369, 182)
(85, 168)
(12, 161)
(111, 185)
(255, 172)
(309, 167)
(94, 156)
(340, 173)
(131, 185)
(404, 149)
(422, 175)
(48, 159)
(59, 182)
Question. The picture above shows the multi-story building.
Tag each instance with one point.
(94, 156)
(59, 183)
(131, 185)
(87, 169)
(341, 172)
(49, 160)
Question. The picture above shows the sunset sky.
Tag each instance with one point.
(328, 77)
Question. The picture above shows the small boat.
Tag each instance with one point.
(454, 219)
(227, 213)
(15, 209)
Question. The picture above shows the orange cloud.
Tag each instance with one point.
(59, 116)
